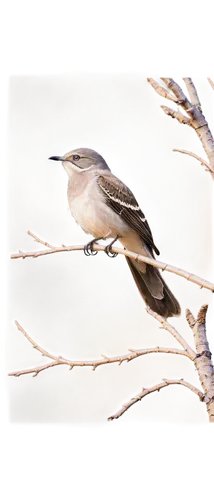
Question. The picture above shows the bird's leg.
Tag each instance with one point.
(108, 249)
(88, 249)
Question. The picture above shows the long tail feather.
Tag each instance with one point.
(154, 290)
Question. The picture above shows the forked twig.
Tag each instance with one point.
(59, 360)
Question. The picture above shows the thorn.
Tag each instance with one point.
(103, 356)
(71, 367)
(35, 374)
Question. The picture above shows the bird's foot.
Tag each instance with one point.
(108, 249)
(88, 248)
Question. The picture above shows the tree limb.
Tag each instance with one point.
(203, 162)
(100, 248)
(193, 93)
(193, 109)
(59, 360)
(157, 387)
(176, 114)
(166, 325)
(203, 360)
(161, 91)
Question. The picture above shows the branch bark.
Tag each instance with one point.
(155, 388)
(59, 360)
(192, 107)
(203, 360)
(171, 329)
(100, 248)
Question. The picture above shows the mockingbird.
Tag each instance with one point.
(106, 208)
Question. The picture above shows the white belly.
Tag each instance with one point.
(93, 215)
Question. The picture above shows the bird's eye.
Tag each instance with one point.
(76, 157)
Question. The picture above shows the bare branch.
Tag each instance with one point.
(202, 313)
(161, 90)
(190, 318)
(192, 93)
(166, 325)
(193, 109)
(36, 370)
(179, 93)
(34, 344)
(211, 83)
(203, 360)
(157, 387)
(176, 114)
(203, 162)
(59, 360)
(100, 248)
(39, 240)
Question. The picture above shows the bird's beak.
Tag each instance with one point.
(56, 158)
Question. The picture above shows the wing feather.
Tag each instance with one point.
(121, 199)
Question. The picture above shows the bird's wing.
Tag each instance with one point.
(120, 198)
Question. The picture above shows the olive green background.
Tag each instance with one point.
(82, 307)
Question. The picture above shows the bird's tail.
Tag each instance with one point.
(153, 289)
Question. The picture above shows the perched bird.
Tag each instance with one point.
(106, 208)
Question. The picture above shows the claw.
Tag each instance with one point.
(88, 249)
(108, 249)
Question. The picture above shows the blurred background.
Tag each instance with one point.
(80, 307)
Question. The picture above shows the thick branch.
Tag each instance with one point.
(59, 360)
(172, 85)
(100, 248)
(193, 109)
(203, 360)
(157, 387)
(192, 93)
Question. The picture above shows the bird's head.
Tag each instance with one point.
(81, 160)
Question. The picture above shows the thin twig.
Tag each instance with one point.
(100, 248)
(203, 162)
(166, 325)
(59, 360)
(157, 387)
(36, 238)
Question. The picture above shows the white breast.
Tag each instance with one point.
(90, 211)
